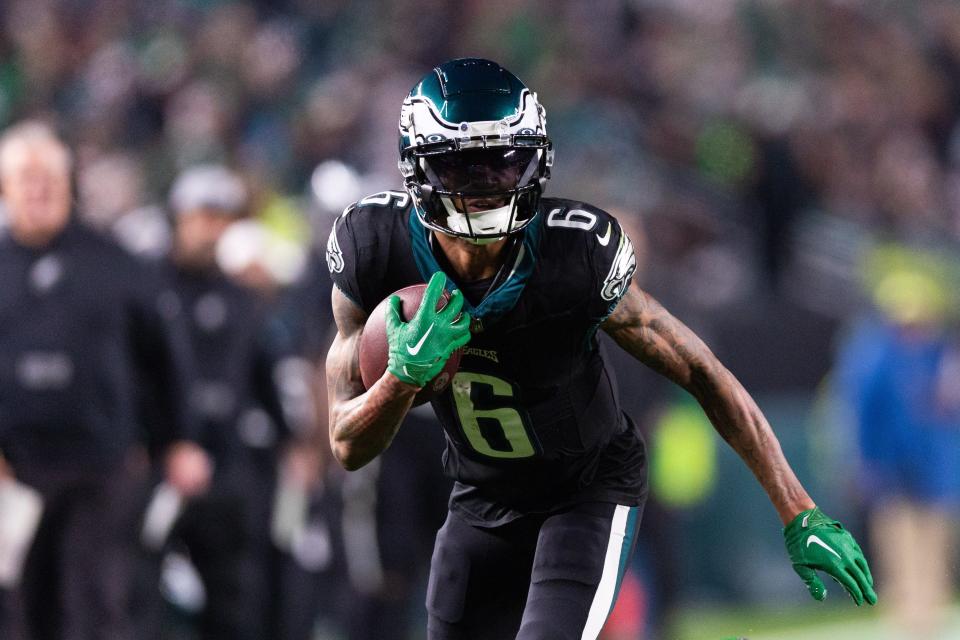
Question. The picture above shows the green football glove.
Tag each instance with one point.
(419, 348)
(815, 541)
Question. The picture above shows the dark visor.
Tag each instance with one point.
(482, 170)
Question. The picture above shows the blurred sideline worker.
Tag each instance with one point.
(227, 530)
(900, 373)
(308, 538)
(550, 473)
(80, 322)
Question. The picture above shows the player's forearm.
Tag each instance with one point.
(362, 422)
(647, 331)
(363, 427)
(739, 421)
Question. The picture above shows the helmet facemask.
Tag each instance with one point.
(483, 193)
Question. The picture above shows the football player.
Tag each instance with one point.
(550, 473)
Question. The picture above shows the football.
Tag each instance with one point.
(374, 350)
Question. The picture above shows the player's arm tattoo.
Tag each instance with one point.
(646, 330)
(362, 422)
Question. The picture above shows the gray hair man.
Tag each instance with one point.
(87, 334)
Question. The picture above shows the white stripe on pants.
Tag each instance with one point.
(607, 589)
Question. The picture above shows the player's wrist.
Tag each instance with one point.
(400, 385)
(806, 519)
(795, 510)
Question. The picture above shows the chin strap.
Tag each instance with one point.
(481, 222)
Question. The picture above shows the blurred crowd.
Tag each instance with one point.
(786, 119)
(764, 152)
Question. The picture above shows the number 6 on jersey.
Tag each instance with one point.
(492, 426)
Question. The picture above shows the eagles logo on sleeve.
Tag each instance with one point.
(334, 254)
(618, 278)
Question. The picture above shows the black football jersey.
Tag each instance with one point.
(531, 417)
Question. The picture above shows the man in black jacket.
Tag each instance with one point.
(237, 399)
(85, 331)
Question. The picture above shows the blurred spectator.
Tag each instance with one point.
(111, 193)
(783, 111)
(307, 528)
(227, 531)
(900, 372)
(82, 323)
(255, 255)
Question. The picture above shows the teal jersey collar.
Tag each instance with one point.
(502, 299)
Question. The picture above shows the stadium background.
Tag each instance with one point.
(776, 157)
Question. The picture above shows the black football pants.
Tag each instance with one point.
(544, 577)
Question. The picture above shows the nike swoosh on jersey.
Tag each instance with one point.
(804, 523)
(817, 540)
(415, 349)
(605, 239)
